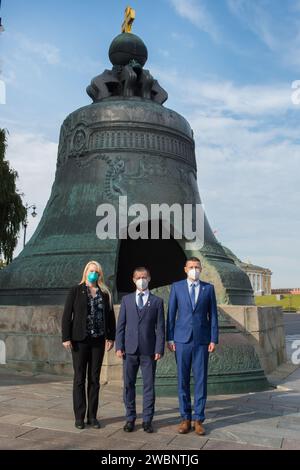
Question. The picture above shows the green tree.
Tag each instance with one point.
(2, 264)
(12, 211)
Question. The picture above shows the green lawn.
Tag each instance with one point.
(289, 302)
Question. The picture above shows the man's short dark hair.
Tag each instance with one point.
(193, 258)
(141, 269)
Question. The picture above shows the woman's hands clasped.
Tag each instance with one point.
(68, 346)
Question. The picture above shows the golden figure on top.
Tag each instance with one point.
(129, 19)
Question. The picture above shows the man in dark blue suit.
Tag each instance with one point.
(140, 339)
(192, 332)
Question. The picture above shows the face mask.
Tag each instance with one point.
(194, 274)
(93, 277)
(142, 284)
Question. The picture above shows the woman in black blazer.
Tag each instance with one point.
(88, 329)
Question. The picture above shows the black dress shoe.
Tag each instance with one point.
(129, 426)
(79, 424)
(148, 427)
(94, 423)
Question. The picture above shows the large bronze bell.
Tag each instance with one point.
(126, 146)
(126, 143)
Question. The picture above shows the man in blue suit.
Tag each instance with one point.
(140, 339)
(192, 333)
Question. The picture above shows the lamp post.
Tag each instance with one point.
(25, 224)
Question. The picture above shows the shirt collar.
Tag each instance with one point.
(145, 292)
(197, 283)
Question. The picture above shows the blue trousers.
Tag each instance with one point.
(192, 357)
(131, 365)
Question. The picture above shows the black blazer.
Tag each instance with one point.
(75, 315)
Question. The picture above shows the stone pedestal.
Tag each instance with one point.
(32, 341)
(252, 342)
(264, 328)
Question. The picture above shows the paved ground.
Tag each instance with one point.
(36, 413)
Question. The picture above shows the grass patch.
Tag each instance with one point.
(288, 302)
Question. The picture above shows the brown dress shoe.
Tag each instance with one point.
(199, 429)
(184, 427)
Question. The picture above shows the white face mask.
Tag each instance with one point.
(142, 284)
(194, 274)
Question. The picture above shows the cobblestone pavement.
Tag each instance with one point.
(36, 413)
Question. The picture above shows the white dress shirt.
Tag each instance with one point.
(145, 296)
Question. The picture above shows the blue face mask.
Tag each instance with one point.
(93, 276)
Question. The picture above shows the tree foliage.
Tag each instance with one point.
(12, 210)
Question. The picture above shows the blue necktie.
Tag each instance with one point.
(193, 295)
(140, 300)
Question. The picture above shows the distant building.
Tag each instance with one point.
(287, 290)
(260, 277)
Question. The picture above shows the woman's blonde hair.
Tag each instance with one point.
(100, 281)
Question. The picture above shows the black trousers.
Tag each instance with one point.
(87, 358)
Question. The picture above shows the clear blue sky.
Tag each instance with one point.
(228, 66)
